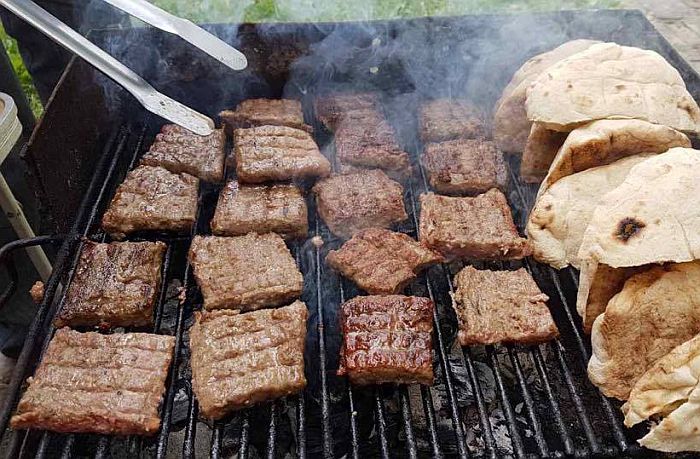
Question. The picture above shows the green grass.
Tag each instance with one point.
(25, 78)
(318, 10)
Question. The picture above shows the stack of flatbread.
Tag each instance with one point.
(603, 128)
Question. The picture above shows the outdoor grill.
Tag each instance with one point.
(487, 401)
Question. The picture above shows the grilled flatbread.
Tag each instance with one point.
(511, 126)
(656, 311)
(652, 217)
(560, 216)
(540, 149)
(611, 81)
(670, 388)
(605, 141)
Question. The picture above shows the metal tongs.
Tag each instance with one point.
(146, 94)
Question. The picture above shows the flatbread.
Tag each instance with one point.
(652, 217)
(605, 141)
(540, 150)
(511, 126)
(670, 388)
(559, 219)
(656, 311)
(611, 81)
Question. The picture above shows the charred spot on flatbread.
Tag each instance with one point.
(627, 228)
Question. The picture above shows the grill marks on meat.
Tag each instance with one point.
(447, 119)
(330, 109)
(277, 153)
(114, 285)
(365, 139)
(279, 208)
(179, 150)
(93, 383)
(152, 198)
(479, 228)
(501, 307)
(459, 167)
(262, 112)
(387, 339)
(242, 359)
(245, 272)
(365, 199)
(380, 261)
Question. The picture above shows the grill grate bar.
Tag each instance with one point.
(325, 399)
(301, 423)
(578, 405)
(165, 277)
(529, 403)
(407, 422)
(381, 423)
(43, 444)
(191, 429)
(272, 433)
(561, 426)
(215, 451)
(103, 446)
(245, 435)
(353, 425)
(480, 405)
(67, 453)
(429, 411)
(507, 407)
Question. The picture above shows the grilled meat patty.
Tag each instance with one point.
(107, 384)
(380, 261)
(501, 307)
(332, 107)
(366, 139)
(245, 272)
(364, 199)
(262, 112)
(387, 339)
(464, 167)
(447, 119)
(242, 359)
(479, 228)
(114, 285)
(243, 209)
(277, 153)
(152, 198)
(179, 150)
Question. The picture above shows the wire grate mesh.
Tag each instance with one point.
(488, 401)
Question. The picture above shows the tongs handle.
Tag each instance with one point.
(151, 99)
(161, 19)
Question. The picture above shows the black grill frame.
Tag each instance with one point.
(583, 422)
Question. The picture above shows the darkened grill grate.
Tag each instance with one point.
(488, 401)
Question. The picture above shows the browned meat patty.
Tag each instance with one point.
(465, 167)
(387, 339)
(180, 150)
(369, 141)
(366, 199)
(479, 228)
(447, 119)
(277, 153)
(152, 198)
(380, 261)
(245, 272)
(93, 383)
(115, 285)
(262, 112)
(242, 359)
(331, 108)
(501, 307)
(261, 209)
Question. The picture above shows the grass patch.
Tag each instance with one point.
(23, 75)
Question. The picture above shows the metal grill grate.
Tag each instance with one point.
(487, 402)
